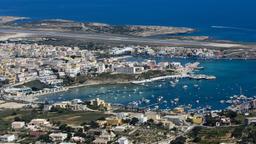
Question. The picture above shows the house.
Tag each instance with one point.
(58, 136)
(40, 122)
(113, 121)
(176, 119)
(37, 133)
(167, 124)
(101, 68)
(141, 117)
(7, 138)
(105, 137)
(152, 115)
(225, 120)
(250, 120)
(119, 129)
(18, 91)
(62, 105)
(99, 140)
(123, 140)
(18, 125)
(122, 115)
(101, 123)
(73, 70)
(47, 107)
(197, 119)
(77, 139)
(100, 103)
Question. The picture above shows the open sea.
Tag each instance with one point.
(232, 20)
(235, 19)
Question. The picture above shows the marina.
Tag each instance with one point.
(174, 91)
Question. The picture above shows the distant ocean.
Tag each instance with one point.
(220, 19)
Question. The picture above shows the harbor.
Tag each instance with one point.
(183, 91)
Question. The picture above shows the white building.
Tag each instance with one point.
(119, 129)
(128, 69)
(118, 51)
(72, 70)
(58, 136)
(7, 138)
(101, 68)
(123, 140)
(39, 122)
(18, 91)
(18, 125)
(140, 117)
(122, 115)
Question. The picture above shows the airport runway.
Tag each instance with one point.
(120, 38)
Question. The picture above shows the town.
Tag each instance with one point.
(99, 122)
(34, 70)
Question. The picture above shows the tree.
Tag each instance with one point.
(249, 134)
(69, 136)
(179, 140)
(102, 118)
(93, 124)
(66, 128)
(17, 119)
(134, 121)
(14, 113)
(44, 138)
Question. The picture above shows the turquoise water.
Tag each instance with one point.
(237, 16)
(231, 76)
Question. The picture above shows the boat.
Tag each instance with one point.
(222, 101)
(173, 84)
(185, 86)
(176, 99)
(160, 98)
(145, 100)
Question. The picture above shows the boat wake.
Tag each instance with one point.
(234, 28)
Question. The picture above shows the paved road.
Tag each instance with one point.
(117, 38)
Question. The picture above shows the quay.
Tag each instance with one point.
(191, 76)
(160, 78)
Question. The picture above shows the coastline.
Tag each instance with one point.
(35, 97)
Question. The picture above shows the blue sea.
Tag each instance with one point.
(233, 78)
(235, 19)
(220, 19)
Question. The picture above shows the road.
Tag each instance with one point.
(120, 38)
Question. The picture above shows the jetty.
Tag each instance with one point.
(191, 76)
(160, 78)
